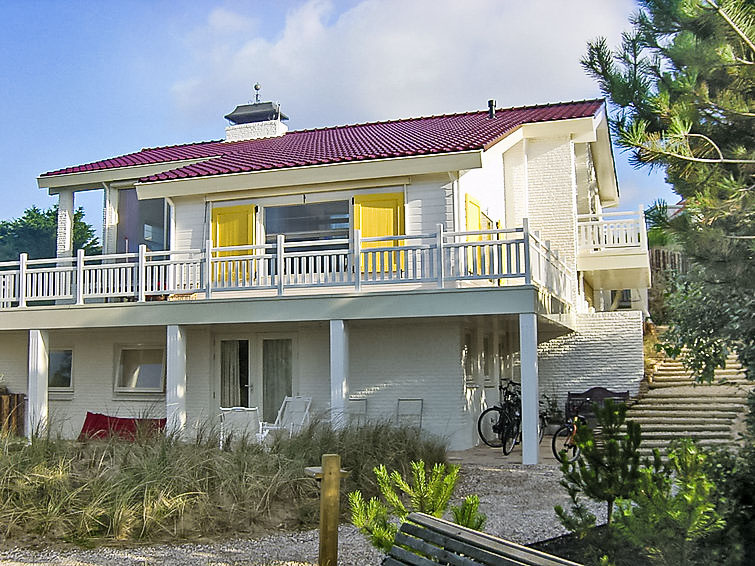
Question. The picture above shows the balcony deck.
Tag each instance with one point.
(442, 260)
(613, 250)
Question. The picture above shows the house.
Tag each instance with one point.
(396, 269)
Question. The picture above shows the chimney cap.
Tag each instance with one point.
(257, 112)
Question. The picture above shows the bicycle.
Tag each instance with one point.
(500, 426)
(563, 443)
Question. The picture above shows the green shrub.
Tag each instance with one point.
(608, 468)
(426, 493)
(672, 508)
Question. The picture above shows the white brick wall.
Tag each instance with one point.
(606, 350)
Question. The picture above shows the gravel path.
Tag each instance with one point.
(517, 500)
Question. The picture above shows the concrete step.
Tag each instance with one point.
(700, 408)
(694, 434)
(680, 421)
(731, 395)
(682, 427)
(684, 382)
(681, 413)
(648, 445)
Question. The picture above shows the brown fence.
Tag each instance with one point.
(667, 260)
(12, 413)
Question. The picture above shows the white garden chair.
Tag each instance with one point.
(292, 416)
(238, 422)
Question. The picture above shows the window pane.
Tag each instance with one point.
(59, 371)
(316, 221)
(141, 369)
(277, 373)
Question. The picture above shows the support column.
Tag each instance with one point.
(65, 224)
(36, 407)
(109, 220)
(339, 371)
(530, 388)
(175, 378)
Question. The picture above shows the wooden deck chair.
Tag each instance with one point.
(292, 416)
(409, 412)
(238, 422)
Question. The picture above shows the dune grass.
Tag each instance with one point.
(161, 488)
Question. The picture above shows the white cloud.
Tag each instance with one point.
(382, 59)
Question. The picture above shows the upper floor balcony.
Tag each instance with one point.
(613, 250)
(483, 258)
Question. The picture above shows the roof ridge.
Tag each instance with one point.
(448, 115)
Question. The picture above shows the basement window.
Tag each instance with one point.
(140, 369)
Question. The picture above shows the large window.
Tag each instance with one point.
(60, 375)
(141, 369)
(304, 222)
(141, 222)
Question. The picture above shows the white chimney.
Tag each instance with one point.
(255, 121)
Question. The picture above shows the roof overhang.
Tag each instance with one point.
(592, 130)
(88, 180)
(312, 174)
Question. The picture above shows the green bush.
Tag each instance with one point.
(673, 507)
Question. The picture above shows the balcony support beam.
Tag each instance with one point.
(175, 378)
(530, 388)
(339, 371)
(36, 410)
(64, 242)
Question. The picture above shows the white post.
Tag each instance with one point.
(142, 273)
(36, 410)
(527, 265)
(439, 248)
(643, 229)
(279, 260)
(357, 260)
(530, 389)
(339, 370)
(65, 224)
(80, 277)
(22, 279)
(175, 380)
(208, 269)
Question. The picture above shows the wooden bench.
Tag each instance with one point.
(423, 540)
(582, 402)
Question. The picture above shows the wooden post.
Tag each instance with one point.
(329, 474)
(329, 509)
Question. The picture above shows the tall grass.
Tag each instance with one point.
(159, 487)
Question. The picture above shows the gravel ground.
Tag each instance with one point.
(518, 501)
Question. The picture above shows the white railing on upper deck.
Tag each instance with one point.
(484, 257)
(611, 231)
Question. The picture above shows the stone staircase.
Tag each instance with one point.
(675, 407)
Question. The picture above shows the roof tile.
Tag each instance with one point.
(396, 138)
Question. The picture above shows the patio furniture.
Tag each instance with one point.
(237, 423)
(292, 416)
(357, 410)
(409, 412)
(435, 541)
(595, 395)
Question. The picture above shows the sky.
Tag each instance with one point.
(87, 80)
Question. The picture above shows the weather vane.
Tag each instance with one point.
(257, 87)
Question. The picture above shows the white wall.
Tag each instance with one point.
(606, 350)
(486, 185)
(189, 223)
(14, 360)
(412, 360)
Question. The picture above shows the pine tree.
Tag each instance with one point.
(682, 93)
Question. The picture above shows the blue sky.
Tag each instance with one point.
(85, 80)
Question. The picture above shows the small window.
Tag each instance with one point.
(59, 376)
(469, 357)
(140, 370)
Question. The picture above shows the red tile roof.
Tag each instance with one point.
(376, 140)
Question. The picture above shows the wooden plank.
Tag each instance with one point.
(406, 557)
(490, 543)
(475, 554)
(390, 561)
(436, 552)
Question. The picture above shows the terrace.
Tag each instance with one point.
(474, 259)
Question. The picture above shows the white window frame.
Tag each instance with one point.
(118, 373)
(61, 393)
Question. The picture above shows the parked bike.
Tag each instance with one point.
(500, 426)
(564, 444)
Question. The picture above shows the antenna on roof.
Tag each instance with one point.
(257, 88)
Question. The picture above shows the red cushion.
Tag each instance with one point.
(97, 425)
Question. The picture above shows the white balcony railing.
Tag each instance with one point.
(612, 231)
(479, 258)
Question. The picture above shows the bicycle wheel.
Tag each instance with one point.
(510, 434)
(542, 423)
(564, 449)
(489, 427)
